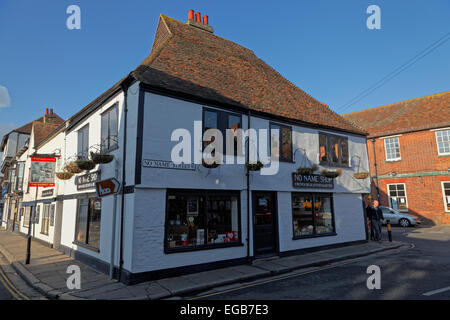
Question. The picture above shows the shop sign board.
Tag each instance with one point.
(87, 181)
(312, 181)
(42, 172)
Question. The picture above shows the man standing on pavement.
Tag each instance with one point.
(376, 215)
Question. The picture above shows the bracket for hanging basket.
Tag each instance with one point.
(254, 166)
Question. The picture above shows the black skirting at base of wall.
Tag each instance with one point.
(130, 278)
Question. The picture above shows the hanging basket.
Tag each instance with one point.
(98, 158)
(308, 170)
(254, 166)
(331, 174)
(72, 167)
(210, 166)
(64, 175)
(85, 164)
(361, 175)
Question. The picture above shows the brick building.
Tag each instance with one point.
(411, 140)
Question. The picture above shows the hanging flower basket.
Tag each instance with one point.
(64, 175)
(254, 166)
(308, 170)
(85, 164)
(98, 157)
(72, 167)
(210, 166)
(331, 174)
(361, 175)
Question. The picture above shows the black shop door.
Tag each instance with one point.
(265, 237)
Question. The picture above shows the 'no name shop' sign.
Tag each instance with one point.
(311, 181)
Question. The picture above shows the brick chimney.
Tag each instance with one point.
(195, 20)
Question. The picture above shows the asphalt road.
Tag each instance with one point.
(405, 274)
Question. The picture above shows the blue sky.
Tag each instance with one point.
(324, 47)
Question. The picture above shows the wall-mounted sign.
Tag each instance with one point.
(42, 172)
(107, 187)
(47, 193)
(168, 165)
(311, 181)
(87, 181)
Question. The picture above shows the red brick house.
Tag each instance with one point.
(410, 143)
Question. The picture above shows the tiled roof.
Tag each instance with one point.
(42, 130)
(191, 61)
(423, 113)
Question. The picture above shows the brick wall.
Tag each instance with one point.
(419, 155)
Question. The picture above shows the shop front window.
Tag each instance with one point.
(312, 214)
(88, 222)
(203, 219)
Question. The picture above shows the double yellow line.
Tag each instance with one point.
(10, 287)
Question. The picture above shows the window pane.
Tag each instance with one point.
(95, 212)
(104, 132)
(323, 212)
(344, 151)
(302, 215)
(113, 128)
(185, 221)
(234, 123)
(210, 120)
(82, 218)
(286, 143)
(323, 147)
(334, 149)
(275, 140)
(222, 217)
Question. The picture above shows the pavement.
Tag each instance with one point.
(47, 271)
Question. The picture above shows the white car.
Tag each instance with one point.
(395, 217)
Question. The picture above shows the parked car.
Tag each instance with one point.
(395, 217)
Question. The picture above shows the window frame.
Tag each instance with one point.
(82, 155)
(389, 196)
(443, 195)
(45, 221)
(315, 235)
(281, 158)
(86, 244)
(205, 194)
(19, 176)
(106, 113)
(222, 124)
(330, 163)
(399, 158)
(437, 142)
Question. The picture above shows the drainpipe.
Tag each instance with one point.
(124, 86)
(248, 188)
(376, 169)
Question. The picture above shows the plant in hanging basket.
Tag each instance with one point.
(64, 175)
(211, 165)
(254, 166)
(331, 173)
(361, 175)
(98, 157)
(308, 170)
(85, 164)
(72, 167)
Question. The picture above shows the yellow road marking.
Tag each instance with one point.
(11, 288)
(271, 280)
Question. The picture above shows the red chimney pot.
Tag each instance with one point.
(205, 19)
(46, 111)
(191, 14)
(51, 111)
(198, 17)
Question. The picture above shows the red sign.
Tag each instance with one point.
(42, 172)
(107, 187)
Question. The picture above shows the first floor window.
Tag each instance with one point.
(312, 214)
(443, 141)
(333, 150)
(397, 196)
(281, 141)
(200, 219)
(88, 222)
(45, 219)
(109, 129)
(446, 191)
(392, 148)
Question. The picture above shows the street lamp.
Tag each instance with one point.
(376, 168)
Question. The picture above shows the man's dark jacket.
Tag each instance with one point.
(374, 213)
